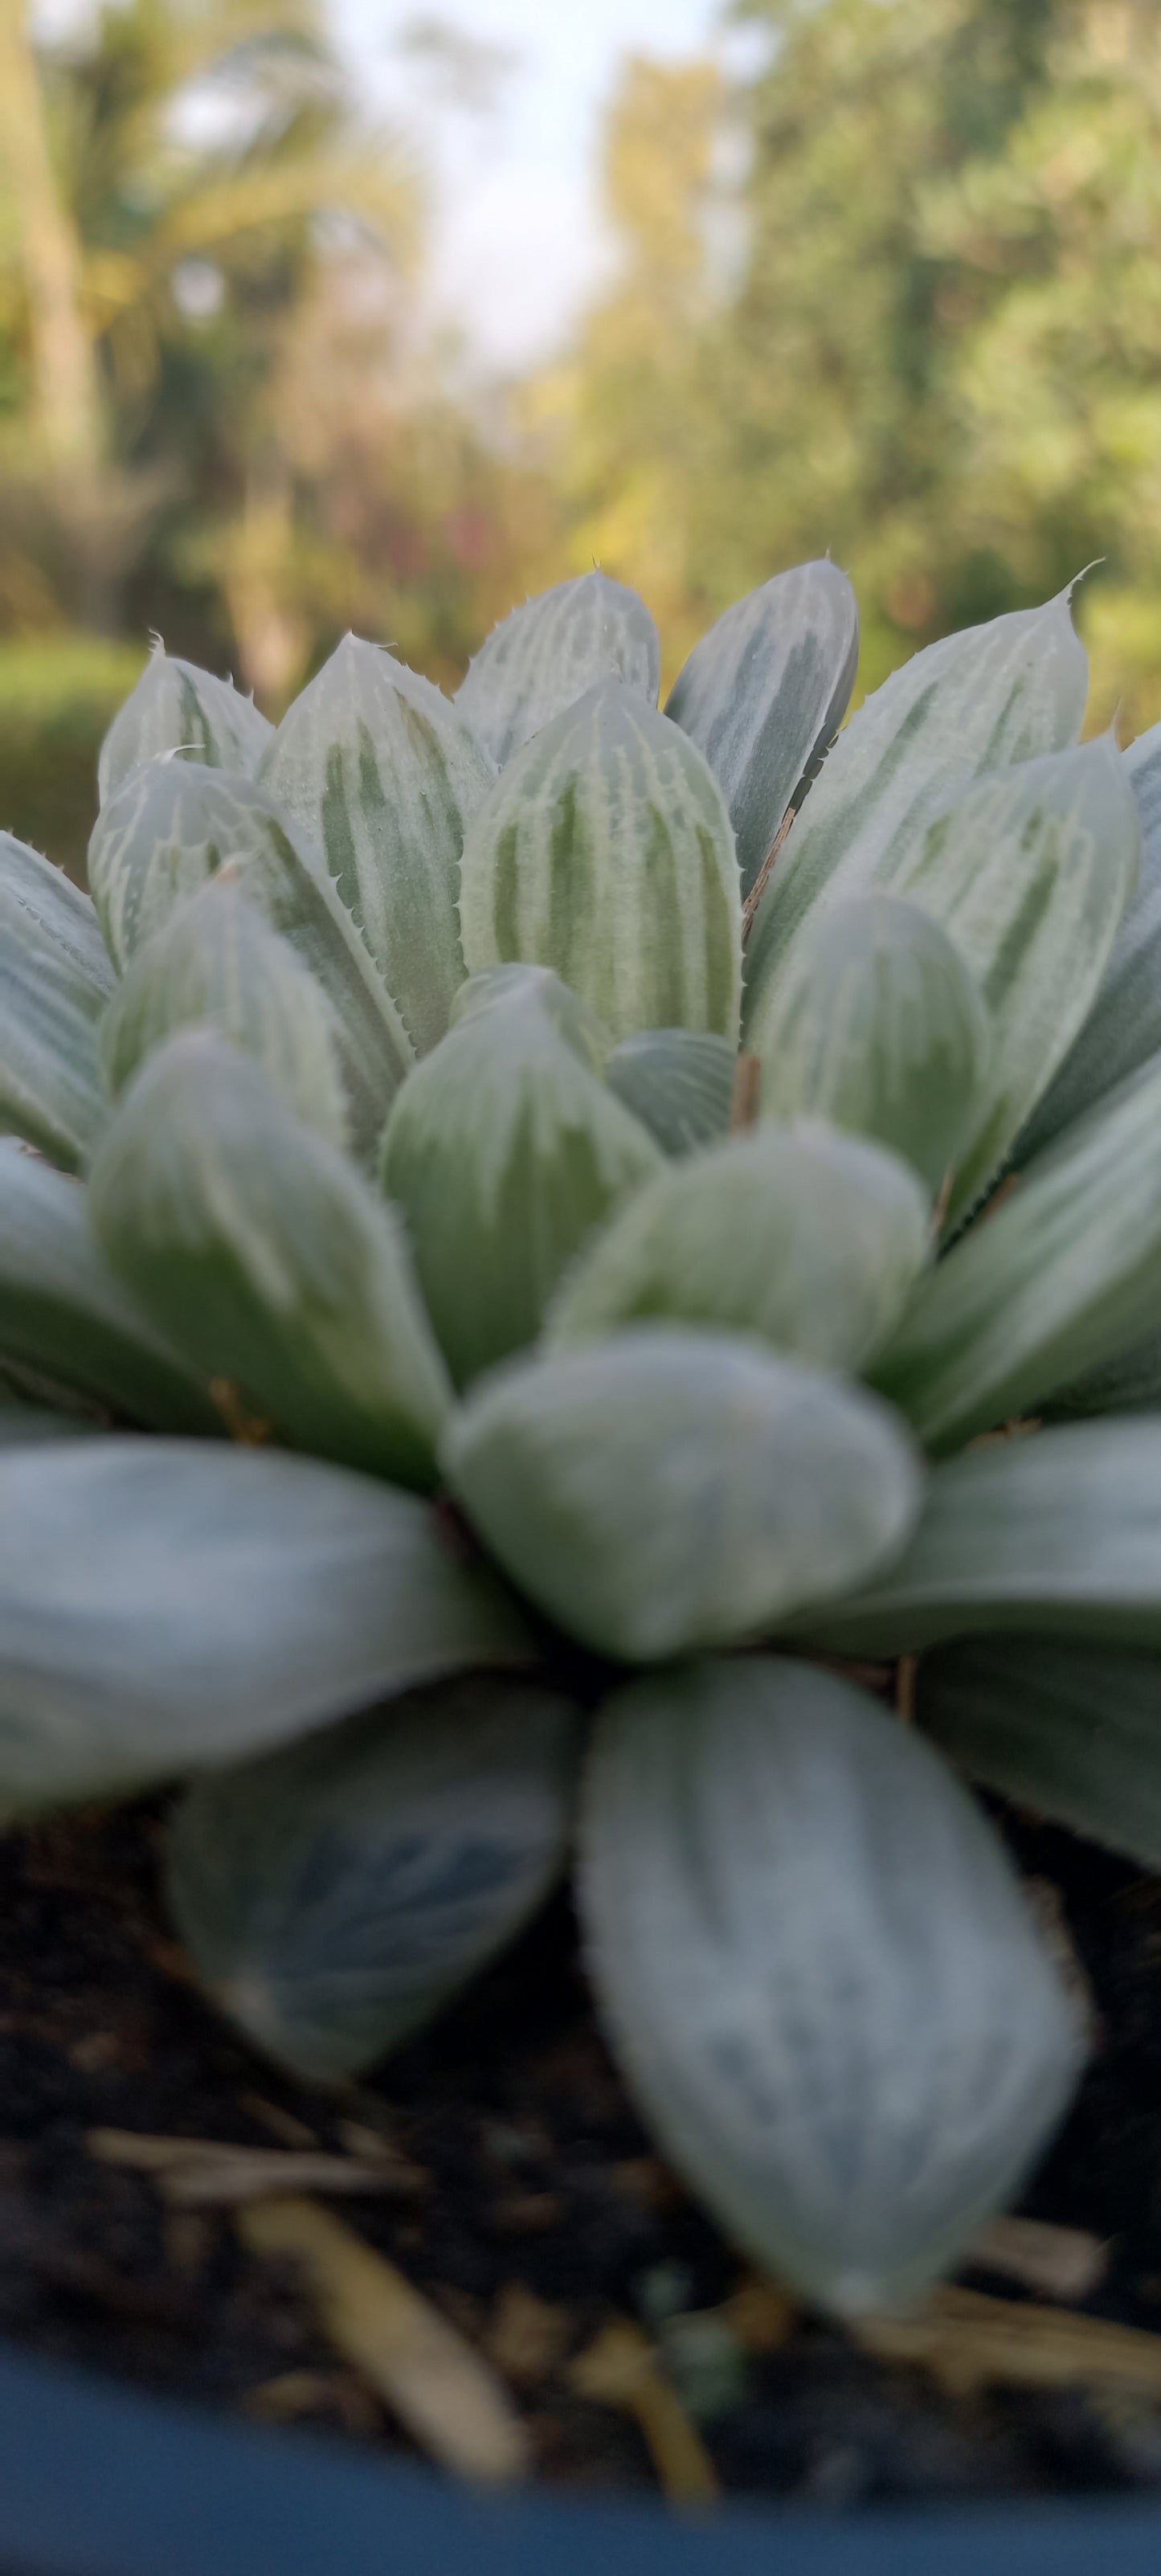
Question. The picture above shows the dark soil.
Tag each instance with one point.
(528, 2173)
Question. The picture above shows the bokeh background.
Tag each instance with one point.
(318, 314)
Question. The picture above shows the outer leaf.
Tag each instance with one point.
(1074, 1731)
(605, 850)
(976, 701)
(171, 828)
(266, 1257)
(375, 765)
(216, 962)
(176, 707)
(1057, 1282)
(803, 1235)
(66, 1319)
(671, 1489)
(877, 1025)
(336, 1895)
(1029, 873)
(55, 980)
(545, 655)
(764, 693)
(820, 1974)
(1061, 1532)
(504, 1150)
(165, 1604)
(678, 1082)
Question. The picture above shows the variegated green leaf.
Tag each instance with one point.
(166, 1604)
(176, 707)
(1072, 1730)
(1060, 1533)
(67, 1321)
(1130, 1383)
(170, 828)
(671, 1489)
(819, 1972)
(877, 1025)
(678, 1082)
(374, 764)
(258, 1248)
(55, 980)
(504, 1150)
(764, 693)
(544, 656)
(336, 1895)
(216, 962)
(806, 1236)
(605, 851)
(975, 701)
(1063, 1276)
(1029, 873)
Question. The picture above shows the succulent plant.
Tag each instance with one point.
(567, 1186)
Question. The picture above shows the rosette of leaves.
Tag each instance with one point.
(514, 1218)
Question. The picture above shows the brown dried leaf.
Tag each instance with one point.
(969, 2341)
(1061, 2262)
(621, 2369)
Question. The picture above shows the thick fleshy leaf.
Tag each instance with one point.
(266, 1257)
(1130, 1383)
(55, 980)
(1072, 1730)
(877, 1025)
(177, 707)
(1059, 1280)
(980, 700)
(819, 1973)
(375, 765)
(67, 1321)
(764, 693)
(504, 1150)
(166, 1604)
(544, 656)
(809, 1237)
(22, 1424)
(335, 1896)
(678, 1082)
(171, 827)
(1060, 1532)
(217, 963)
(1029, 873)
(605, 851)
(671, 1489)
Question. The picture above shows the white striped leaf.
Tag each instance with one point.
(66, 1320)
(170, 828)
(1072, 1730)
(55, 980)
(765, 691)
(605, 851)
(1029, 873)
(262, 1253)
(1059, 1533)
(808, 1237)
(1065, 1275)
(543, 656)
(216, 962)
(379, 770)
(166, 1604)
(877, 1025)
(980, 700)
(819, 1973)
(670, 1489)
(177, 707)
(504, 1150)
(678, 1082)
(336, 1895)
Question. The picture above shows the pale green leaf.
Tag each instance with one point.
(336, 1895)
(545, 655)
(605, 851)
(176, 707)
(55, 980)
(671, 1489)
(1072, 1730)
(678, 1082)
(819, 1973)
(1130, 1383)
